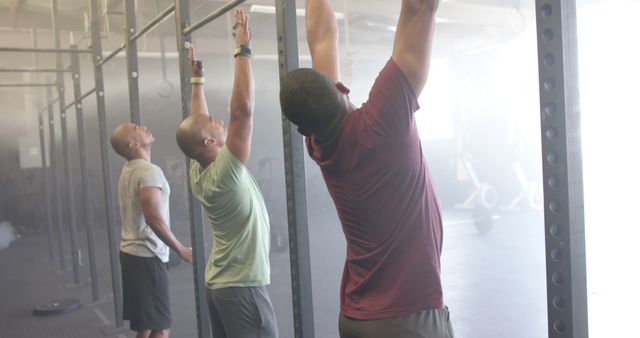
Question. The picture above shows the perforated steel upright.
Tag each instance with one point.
(299, 248)
(562, 168)
(96, 44)
(182, 16)
(131, 49)
(71, 203)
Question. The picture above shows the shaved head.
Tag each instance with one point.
(121, 137)
(191, 133)
(132, 141)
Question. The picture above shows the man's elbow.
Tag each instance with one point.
(242, 109)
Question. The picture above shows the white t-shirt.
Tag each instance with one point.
(137, 238)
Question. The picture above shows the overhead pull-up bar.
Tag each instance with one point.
(78, 100)
(44, 50)
(32, 70)
(214, 15)
(28, 84)
(153, 23)
(110, 56)
(149, 26)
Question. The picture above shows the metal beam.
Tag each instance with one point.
(116, 281)
(214, 15)
(54, 178)
(78, 100)
(71, 203)
(112, 55)
(562, 168)
(131, 49)
(32, 70)
(293, 143)
(154, 22)
(196, 221)
(84, 174)
(18, 85)
(43, 50)
(43, 158)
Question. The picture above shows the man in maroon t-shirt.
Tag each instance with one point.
(372, 163)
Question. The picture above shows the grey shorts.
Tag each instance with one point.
(242, 312)
(423, 324)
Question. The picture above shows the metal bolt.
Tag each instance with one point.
(78, 106)
(100, 93)
(134, 75)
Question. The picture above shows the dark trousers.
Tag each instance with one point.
(422, 324)
(242, 312)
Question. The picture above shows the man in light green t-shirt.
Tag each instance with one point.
(238, 267)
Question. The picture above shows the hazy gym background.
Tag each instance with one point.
(480, 129)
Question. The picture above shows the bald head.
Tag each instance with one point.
(121, 137)
(190, 134)
(132, 141)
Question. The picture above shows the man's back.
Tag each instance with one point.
(137, 238)
(387, 205)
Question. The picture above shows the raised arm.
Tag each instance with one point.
(243, 93)
(149, 198)
(322, 37)
(413, 40)
(198, 101)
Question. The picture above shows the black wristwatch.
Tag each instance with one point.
(242, 50)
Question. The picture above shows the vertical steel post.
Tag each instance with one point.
(96, 44)
(54, 178)
(47, 189)
(182, 16)
(131, 50)
(71, 206)
(43, 159)
(84, 172)
(298, 221)
(562, 168)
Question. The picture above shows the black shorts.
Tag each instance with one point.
(145, 292)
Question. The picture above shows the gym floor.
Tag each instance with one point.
(494, 282)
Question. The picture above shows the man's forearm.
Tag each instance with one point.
(162, 231)
(198, 101)
(243, 93)
(321, 22)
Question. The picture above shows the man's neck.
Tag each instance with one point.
(206, 161)
(141, 155)
(333, 129)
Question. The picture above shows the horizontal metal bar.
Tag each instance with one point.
(78, 100)
(28, 84)
(31, 70)
(214, 15)
(43, 50)
(153, 23)
(110, 56)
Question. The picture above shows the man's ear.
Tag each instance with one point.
(208, 140)
(304, 132)
(342, 88)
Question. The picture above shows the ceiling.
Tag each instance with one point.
(367, 20)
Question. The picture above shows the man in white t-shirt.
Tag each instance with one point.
(143, 197)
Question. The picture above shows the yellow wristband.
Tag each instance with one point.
(197, 80)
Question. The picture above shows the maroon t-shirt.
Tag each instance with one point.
(377, 176)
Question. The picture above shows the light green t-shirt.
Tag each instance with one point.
(239, 221)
